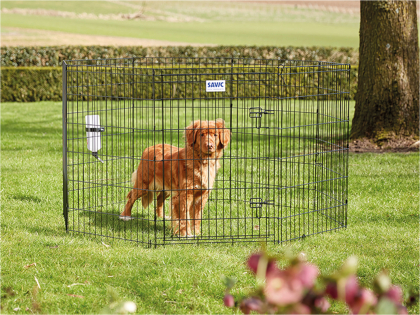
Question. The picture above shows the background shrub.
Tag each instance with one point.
(54, 55)
(31, 74)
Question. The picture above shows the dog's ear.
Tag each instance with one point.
(191, 132)
(224, 133)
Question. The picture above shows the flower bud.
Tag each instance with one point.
(382, 283)
(251, 304)
(229, 301)
(331, 290)
(352, 288)
(349, 267)
(253, 261)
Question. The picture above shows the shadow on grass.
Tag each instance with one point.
(48, 231)
(27, 198)
(92, 222)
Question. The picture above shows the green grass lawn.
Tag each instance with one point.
(76, 272)
(199, 22)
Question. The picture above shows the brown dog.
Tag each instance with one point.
(186, 174)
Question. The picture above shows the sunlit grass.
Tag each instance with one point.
(382, 231)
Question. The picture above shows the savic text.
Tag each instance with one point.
(215, 86)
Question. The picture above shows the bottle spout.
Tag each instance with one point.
(95, 154)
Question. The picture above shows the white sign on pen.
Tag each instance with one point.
(215, 86)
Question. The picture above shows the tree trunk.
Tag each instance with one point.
(387, 99)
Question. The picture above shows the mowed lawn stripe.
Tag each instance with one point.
(221, 33)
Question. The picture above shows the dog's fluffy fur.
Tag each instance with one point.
(186, 174)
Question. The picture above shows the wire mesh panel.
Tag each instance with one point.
(193, 150)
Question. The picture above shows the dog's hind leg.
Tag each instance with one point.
(197, 211)
(159, 207)
(132, 196)
(174, 206)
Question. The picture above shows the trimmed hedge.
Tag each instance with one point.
(31, 74)
(32, 84)
(53, 56)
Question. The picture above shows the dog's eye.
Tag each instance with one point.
(202, 134)
(215, 134)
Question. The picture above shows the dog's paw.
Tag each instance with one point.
(125, 218)
(167, 217)
(184, 235)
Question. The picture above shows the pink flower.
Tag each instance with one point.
(272, 268)
(363, 302)
(395, 294)
(228, 300)
(322, 303)
(307, 275)
(251, 304)
(283, 289)
(288, 286)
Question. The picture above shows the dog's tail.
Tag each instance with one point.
(145, 200)
(133, 181)
(134, 177)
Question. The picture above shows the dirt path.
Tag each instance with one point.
(31, 37)
(352, 7)
(396, 145)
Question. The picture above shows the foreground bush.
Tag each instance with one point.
(299, 289)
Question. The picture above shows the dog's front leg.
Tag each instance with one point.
(181, 210)
(196, 213)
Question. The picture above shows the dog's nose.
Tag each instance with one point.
(210, 146)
